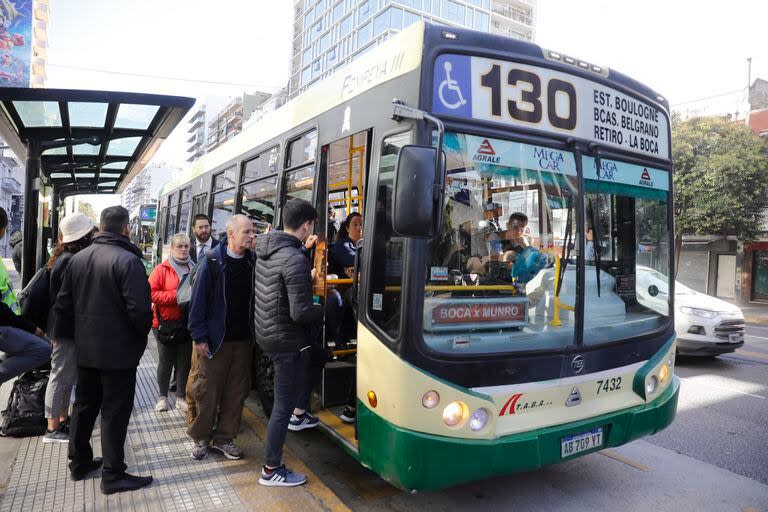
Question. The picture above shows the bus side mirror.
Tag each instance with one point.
(418, 189)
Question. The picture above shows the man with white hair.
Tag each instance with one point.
(219, 322)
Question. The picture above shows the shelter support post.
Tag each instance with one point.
(31, 205)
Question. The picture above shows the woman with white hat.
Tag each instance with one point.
(75, 233)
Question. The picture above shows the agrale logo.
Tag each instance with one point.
(645, 178)
(574, 398)
(486, 153)
(514, 405)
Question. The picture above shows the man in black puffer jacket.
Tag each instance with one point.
(283, 312)
(104, 305)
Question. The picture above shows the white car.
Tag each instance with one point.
(705, 325)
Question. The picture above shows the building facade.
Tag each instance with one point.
(196, 130)
(330, 33)
(145, 187)
(11, 196)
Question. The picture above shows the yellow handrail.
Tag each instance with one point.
(556, 319)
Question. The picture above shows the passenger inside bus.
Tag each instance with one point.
(341, 262)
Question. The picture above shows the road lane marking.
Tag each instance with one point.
(753, 354)
(615, 456)
(754, 336)
(724, 388)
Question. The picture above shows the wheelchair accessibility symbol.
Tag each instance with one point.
(453, 97)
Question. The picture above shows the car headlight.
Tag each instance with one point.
(703, 313)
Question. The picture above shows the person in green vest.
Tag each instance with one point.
(6, 287)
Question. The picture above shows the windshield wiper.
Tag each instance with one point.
(566, 246)
(597, 235)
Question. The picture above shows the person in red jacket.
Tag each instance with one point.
(174, 345)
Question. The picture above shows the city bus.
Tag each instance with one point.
(513, 200)
(142, 222)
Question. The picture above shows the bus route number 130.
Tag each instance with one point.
(530, 107)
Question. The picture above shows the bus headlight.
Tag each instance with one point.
(479, 419)
(651, 385)
(454, 413)
(430, 399)
(663, 373)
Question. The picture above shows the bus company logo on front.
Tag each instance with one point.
(645, 178)
(548, 159)
(577, 364)
(513, 405)
(607, 170)
(574, 398)
(486, 154)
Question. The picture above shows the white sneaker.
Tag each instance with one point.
(182, 406)
(162, 404)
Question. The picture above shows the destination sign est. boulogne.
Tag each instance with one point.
(552, 101)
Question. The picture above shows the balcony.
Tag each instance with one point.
(10, 186)
(513, 14)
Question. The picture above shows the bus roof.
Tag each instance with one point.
(395, 57)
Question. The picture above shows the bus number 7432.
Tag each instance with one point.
(613, 384)
(531, 97)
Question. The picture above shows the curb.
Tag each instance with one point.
(325, 496)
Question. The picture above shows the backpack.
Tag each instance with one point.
(35, 299)
(25, 414)
(190, 282)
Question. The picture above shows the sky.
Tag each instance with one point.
(686, 50)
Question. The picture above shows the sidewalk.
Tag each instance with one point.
(156, 445)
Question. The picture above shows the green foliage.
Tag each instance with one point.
(720, 177)
(86, 208)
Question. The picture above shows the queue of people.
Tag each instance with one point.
(207, 303)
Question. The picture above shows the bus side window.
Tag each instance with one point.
(387, 248)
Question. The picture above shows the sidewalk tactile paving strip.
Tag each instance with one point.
(157, 445)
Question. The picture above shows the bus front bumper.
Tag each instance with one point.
(416, 461)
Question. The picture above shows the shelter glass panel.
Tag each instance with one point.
(135, 116)
(123, 147)
(38, 113)
(87, 114)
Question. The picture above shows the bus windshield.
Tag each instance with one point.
(501, 273)
(510, 209)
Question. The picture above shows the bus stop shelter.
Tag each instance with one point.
(79, 142)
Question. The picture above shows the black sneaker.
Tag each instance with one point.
(126, 483)
(348, 415)
(60, 435)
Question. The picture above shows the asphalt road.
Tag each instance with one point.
(712, 458)
(722, 415)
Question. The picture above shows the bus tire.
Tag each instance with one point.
(263, 380)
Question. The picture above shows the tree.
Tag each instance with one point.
(720, 177)
(86, 208)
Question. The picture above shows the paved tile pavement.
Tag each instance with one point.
(156, 444)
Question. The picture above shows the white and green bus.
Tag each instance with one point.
(512, 291)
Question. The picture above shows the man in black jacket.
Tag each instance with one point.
(282, 314)
(104, 305)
